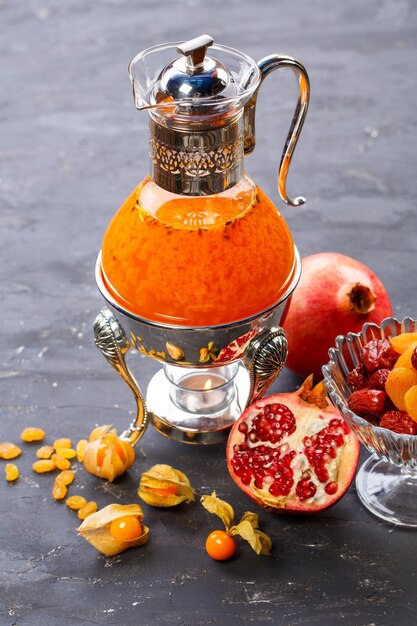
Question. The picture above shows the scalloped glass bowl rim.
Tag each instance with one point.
(337, 398)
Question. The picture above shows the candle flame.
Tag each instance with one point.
(208, 384)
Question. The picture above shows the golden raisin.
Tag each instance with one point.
(32, 434)
(81, 446)
(88, 509)
(44, 452)
(9, 450)
(12, 472)
(75, 502)
(66, 477)
(59, 490)
(63, 442)
(61, 462)
(43, 466)
(68, 453)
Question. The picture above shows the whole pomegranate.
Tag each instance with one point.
(336, 295)
(292, 452)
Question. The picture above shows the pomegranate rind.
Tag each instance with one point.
(304, 413)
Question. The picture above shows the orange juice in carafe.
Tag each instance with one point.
(197, 261)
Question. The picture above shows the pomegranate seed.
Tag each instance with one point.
(305, 489)
(335, 423)
(243, 427)
(331, 488)
(246, 477)
(259, 482)
(322, 475)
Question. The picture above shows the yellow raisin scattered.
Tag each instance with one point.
(61, 462)
(59, 490)
(44, 452)
(66, 477)
(12, 472)
(32, 434)
(68, 453)
(81, 446)
(75, 502)
(43, 466)
(63, 442)
(9, 450)
(88, 509)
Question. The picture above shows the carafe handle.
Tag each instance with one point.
(267, 65)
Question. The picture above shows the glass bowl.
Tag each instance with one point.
(387, 482)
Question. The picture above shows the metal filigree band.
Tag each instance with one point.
(264, 360)
(111, 340)
(197, 162)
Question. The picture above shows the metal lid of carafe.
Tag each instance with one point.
(194, 75)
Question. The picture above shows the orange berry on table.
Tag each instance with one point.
(220, 545)
(126, 528)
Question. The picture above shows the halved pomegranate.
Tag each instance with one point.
(292, 451)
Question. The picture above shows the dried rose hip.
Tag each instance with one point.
(367, 401)
(378, 379)
(378, 354)
(357, 378)
(399, 422)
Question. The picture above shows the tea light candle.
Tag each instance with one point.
(202, 392)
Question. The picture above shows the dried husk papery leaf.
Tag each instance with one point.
(164, 486)
(248, 527)
(218, 507)
(96, 529)
(106, 455)
(248, 530)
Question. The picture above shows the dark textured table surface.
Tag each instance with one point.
(71, 148)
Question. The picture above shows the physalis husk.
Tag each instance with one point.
(164, 486)
(248, 527)
(106, 455)
(96, 529)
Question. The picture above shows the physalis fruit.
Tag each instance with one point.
(105, 528)
(106, 455)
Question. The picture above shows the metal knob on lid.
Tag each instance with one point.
(195, 51)
(194, 75)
